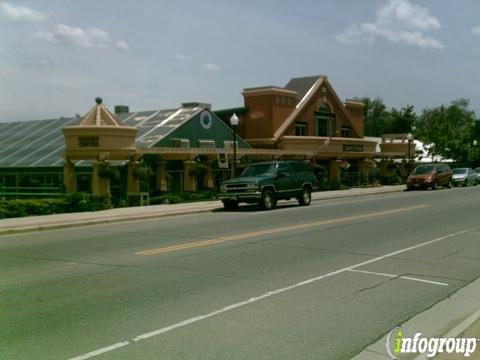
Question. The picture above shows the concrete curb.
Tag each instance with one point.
(97, 218)
(450, 317)
(89, 222)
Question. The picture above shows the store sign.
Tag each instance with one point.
(222, 160)
(88, 141)
(206, 119)
(353, 148)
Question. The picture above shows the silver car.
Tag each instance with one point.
(477, 170)
(464, 176)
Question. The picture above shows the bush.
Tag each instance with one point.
(21, 208)
(391, 179)
(182, 197)
(78, 202)
(72, 203)
(330, 185)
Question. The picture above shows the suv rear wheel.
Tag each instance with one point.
(230, 205)
(268, 200)
(305, 198)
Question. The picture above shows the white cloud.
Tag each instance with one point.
(78, 37)
(20, 13)
(399, 21)
(476, 30)
(211, 67)
(122, 45)
(183, 57)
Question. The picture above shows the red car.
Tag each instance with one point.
(430, 176)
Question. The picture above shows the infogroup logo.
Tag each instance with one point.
(397, 344)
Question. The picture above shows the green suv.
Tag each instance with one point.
(265, 183)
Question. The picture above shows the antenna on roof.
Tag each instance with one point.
(98, 100)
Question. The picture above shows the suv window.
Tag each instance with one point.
(283, 168)
(259, 170)
(298, 167)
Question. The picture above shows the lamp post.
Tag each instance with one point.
(409, 138)
(234, 124)
(475, 143)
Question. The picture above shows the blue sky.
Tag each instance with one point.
(56, 56)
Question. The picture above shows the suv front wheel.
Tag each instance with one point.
(268, 200)
(305, 198)
(230, 205)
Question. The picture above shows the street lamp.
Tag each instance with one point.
(234, 123)
(409, 138)
(475, 143)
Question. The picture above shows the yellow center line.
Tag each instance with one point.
(275, 231)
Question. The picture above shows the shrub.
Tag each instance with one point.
(391, 179)
(30, 207)
(182, 197)
(78, 202)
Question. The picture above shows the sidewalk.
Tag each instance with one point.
(457, 316)
(57, 221)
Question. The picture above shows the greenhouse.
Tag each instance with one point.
(42, 158)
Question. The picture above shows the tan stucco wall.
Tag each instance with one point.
(265, 114)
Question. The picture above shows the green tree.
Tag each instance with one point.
(375, 116)
(378, 120)
(401, 121)
(449, 130)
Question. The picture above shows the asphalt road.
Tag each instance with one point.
(317, 282)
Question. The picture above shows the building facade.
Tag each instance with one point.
(190, 148)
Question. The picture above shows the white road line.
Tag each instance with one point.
(101, 351)
(266, 295)
(400, 277)
(425, 281)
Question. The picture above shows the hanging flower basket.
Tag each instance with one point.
(143, 172)
(109, 172)
(344, 164)
(198, 169)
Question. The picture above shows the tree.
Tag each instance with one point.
(449, 130)
(401, 121)
(375, 116)
(378, 120)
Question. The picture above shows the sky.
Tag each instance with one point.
(56, 56)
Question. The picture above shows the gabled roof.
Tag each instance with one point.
(301, 104)
(302, 84)
(307, 87)
(99, 115)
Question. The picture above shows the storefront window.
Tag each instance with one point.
(325, 121)
(300, 129)
(345, 130)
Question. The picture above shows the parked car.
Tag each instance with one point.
(430, 176)
(477, 170)
(464, 176)
(265, 183)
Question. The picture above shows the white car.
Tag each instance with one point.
(477, 170)
(464, 176)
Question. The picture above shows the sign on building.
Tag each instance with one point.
(222, 160)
